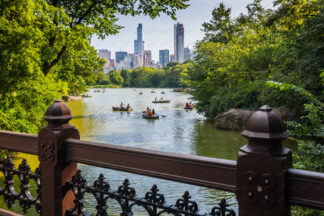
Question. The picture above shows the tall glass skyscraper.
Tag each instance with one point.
(179, 42)
(139, 43)
(164, 57)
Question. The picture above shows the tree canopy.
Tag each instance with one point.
(46, 50)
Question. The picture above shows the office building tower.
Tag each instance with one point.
(137, 61)
(164, 57)
(139, 43)
(125, 64)
(172, 58)
(179, 42)
(105, 54)
(187, 54)
(147, 58)
(120, 55)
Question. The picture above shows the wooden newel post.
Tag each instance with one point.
(262, 166)
(55, 171)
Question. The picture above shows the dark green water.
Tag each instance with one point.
(180, 131)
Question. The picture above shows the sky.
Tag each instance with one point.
(158, 33)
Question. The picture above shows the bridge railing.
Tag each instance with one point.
(261, 178)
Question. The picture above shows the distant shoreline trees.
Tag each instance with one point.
(174, 75)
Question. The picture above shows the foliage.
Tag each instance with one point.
(173, 75)
(46, 51)
(116, 78)
(238, 55)
(308, 133)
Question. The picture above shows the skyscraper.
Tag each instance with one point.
(164, 57)
(139, 43)
(179, 42)
(105, 54)
(187, 54)
(172, 58)
(147, 58)
(120, 56)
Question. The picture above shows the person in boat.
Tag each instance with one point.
(128, 106)
(150, 113)
(190, 104)
(147, 111)
(153, 111)
(187, 105)
(161, 99)
(121, 105)
(155, 98)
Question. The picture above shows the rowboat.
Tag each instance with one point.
(86, 96)
(122, 109)
(189, 108)
(155, 116)
(161, 101)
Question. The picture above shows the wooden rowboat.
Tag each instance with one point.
(161, 101)
(86, 96)
(155, 116)
(123, 109)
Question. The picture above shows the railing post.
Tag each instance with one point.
(55, 171)
(262, 166)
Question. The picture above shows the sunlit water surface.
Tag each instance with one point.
(177, 131)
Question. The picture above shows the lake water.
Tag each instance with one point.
(177, 131)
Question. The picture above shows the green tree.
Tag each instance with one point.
(221, 27)
(116, 78)
(69, 20)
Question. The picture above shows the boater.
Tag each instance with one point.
(121, 105)
(128, 106)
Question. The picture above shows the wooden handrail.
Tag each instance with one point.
(306, 188)
(20, 142)
(203, 171)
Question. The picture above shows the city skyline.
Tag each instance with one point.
(158, 33)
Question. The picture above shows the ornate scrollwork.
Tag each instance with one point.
(222, 209)
(153, 202)
(186, 204)
(47, 151)
(154, 197)
(261, 188)
(125, 190)
(24, 197)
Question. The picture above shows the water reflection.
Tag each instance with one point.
(177, 131)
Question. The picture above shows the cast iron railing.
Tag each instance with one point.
(261, 178)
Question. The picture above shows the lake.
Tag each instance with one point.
(177, 131)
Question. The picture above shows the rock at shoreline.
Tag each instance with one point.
(233, 119)
(71, 98)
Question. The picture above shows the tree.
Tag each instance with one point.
(126, 76)
(116, 78)
(71, 19)
(46, 51)
(221, 27)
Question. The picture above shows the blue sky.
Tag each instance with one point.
(158, 33)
